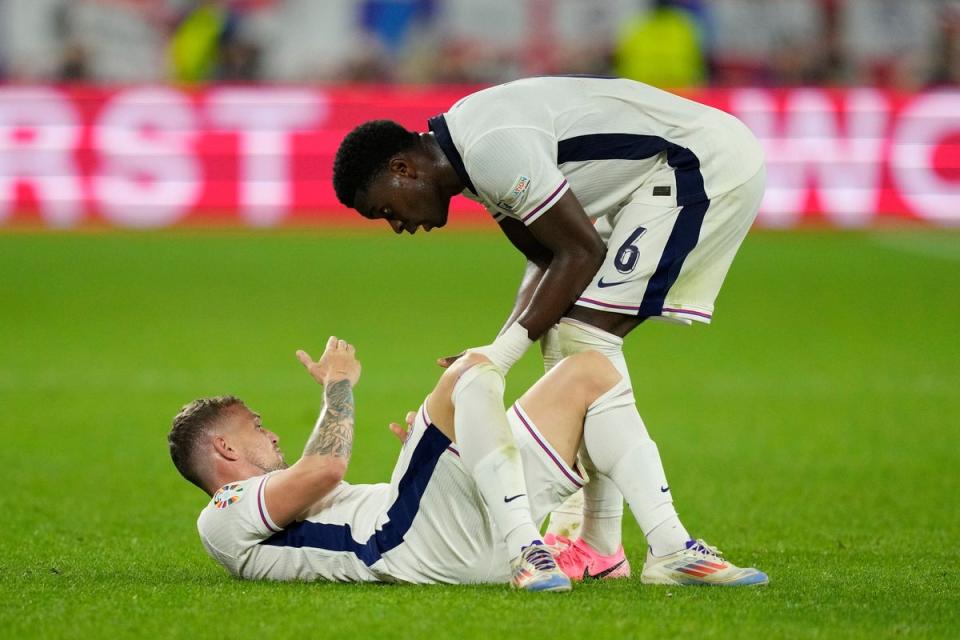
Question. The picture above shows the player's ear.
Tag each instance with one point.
(223, 449)
(401, 165)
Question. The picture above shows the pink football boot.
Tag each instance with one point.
(580, 561)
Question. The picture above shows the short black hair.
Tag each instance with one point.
(364, 153)
(190, 426)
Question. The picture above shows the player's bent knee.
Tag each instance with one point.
(441, 399)
(462, 365)
(472, 358)
(593, 372)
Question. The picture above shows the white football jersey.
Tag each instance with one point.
(235, 525)
(520, 146)
(428, 525)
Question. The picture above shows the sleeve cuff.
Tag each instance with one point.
(262, 508)
(544, 206)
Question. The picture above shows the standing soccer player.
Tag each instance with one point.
(628, 203)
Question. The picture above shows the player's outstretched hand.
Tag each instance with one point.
(338, 362)
(446, 361)
(403, 433)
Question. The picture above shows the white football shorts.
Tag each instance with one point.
(670, 261)
(549, 479)
(448, 535)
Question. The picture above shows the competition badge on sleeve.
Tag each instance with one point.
(516, 195)
(227, 495)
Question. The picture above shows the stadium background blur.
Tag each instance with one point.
(236, 107)
(167, 230)
(890, 43)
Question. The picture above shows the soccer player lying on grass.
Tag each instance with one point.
(432, 523)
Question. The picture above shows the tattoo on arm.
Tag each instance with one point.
(333, 435)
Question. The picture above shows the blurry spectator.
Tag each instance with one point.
(662, 47)
(946, 69)
(391, 21)
(768, 41)
(832, 63)
(888, 42)
(484, 40)
(239, 61)
(306, 40)
(30, 38)
(393, 31)
(199, 38)
(73, 64)
(102, 40)
(119, 40)
(588, 30)
(3, 51)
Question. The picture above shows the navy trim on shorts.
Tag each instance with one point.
(400, 515)
(691, 197)
(438, 125)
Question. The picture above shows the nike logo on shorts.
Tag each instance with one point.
(604, 285)
(664, 489)
(506, 499)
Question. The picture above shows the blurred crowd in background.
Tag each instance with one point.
(898, 44)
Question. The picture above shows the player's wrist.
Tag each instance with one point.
(336, 376)
(508, 347)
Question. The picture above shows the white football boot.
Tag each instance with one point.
(698, 564)
(535, 569)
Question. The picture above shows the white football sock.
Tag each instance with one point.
(668, 537)
(490, 454)
(621, 448)
(602, 509)
(566, 520)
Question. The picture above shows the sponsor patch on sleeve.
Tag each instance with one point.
(516, 195)
(227, 495)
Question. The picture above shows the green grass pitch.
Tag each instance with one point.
(812, 430)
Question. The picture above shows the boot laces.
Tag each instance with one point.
(700, 546)
(541, 558)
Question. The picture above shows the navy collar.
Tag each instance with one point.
(438, 125)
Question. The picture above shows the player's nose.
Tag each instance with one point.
(396, 225)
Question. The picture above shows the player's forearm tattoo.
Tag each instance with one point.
(333, 435)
